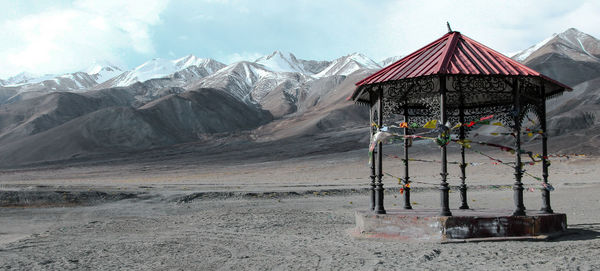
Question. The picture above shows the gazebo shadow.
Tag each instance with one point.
(580, 232)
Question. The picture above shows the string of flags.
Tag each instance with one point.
(432, 161)
(383, 134)
(433, 124)
(406, 185)
(546, 186)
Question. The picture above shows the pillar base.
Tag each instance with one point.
(425, 225)
(547, 210)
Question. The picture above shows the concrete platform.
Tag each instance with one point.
(465, 225)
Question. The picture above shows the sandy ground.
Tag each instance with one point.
(291, 214)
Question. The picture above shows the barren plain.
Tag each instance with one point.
(285, 213)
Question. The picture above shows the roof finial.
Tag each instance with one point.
(448, 25)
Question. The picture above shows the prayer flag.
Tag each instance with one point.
(430, 124)
(487, 118)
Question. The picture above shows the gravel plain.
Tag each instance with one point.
(293, 214)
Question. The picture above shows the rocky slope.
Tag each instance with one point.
(571, 57)
(49, 135)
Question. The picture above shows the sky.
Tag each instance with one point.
(54, 37)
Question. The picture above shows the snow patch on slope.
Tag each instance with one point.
(103, 71)
(520, 56)
(27, 78)
(158, 68)
(281, 62)
(348, 64)
(389, 60)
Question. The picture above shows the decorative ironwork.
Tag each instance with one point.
(478, 83)
(399, 88)
(467, 99)
(530, 90)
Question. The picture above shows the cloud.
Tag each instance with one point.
(61, 40)
(506, 26)
(47, 39)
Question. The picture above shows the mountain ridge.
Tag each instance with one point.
(276, 97)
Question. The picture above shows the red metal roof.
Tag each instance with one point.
(453, 53)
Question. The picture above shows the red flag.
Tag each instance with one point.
(487, 118)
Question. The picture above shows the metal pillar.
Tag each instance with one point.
(444, 189)
(518, 185)
(379, 209)
(463, 165)
(372, 158)
(406, 179)
(545, 192)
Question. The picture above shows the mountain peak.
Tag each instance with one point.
(362, 59)
(389, 60)
(102, 70)
(187, 61)
(190, 65)
(280, 61)
(26, 78)
(348, 64)
(572, 42)
(573, 30)
(101, 65)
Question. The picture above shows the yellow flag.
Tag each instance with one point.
(430, 124)
(530, 134)
(457, 126)
(498, 124)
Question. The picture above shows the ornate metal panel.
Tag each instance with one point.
(479, 96)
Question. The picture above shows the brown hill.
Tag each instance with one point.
(169, 120)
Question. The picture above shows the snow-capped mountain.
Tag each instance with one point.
(103, 71)
(158, 68)
(522, 55)
(572, 42)
(26, 78)
(281, 62)
(389, 60)
(278, 77)
(248, 80)
(254, 83)
(571, 57)
(277, 81)
(67, 82)
(287, 62)
(348, 64)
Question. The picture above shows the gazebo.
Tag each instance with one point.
(455, 79)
